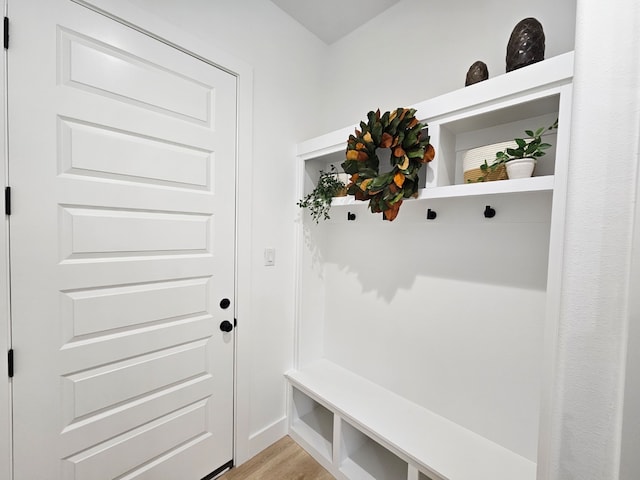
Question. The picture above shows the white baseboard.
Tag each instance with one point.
(267, 436)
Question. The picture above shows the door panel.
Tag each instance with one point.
(129, 450)
(122, 163)
(99, 69)
(105, 233)
(96, 151)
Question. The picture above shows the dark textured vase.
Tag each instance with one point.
(526, 44)
(477, 73)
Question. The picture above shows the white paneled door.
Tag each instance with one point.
(122, 166)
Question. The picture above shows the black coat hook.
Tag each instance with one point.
(489, 212)
(431, 214)
(351, 216)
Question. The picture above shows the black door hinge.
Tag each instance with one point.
(10, 363)
(6, 33)
(7, 200)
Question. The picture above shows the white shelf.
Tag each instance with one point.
(520, 185)
(554, 71)
(430, 442)
(327, 144)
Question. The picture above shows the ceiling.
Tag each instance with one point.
(330, 20)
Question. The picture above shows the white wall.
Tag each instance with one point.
(598, 245)
(286, 63)
(419, 49)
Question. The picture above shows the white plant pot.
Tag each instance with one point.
(521, 167)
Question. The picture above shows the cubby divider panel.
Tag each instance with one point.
(364, 458)
(313, 422)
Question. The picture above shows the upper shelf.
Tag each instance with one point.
(523, 83)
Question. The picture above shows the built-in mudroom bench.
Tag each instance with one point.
(424, 347)
(359, 430)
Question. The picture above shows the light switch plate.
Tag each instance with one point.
(269, 257)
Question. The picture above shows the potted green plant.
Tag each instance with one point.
(319, 200)
(521, 159)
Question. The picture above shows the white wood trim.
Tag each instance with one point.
(413, 473)
(244, 266)
(554, 283)
(297, 280)
(629, 459)
(267, 436)
(178, 38)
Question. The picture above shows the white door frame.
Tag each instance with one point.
(177, 38)
(5, 324)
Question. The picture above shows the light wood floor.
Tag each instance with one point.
(284, 460)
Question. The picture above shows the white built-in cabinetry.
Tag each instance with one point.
(425, 348)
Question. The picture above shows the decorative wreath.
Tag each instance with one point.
(402, 133)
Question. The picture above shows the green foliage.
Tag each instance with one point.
(408, 141)
(532, 147)
(319, 200)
